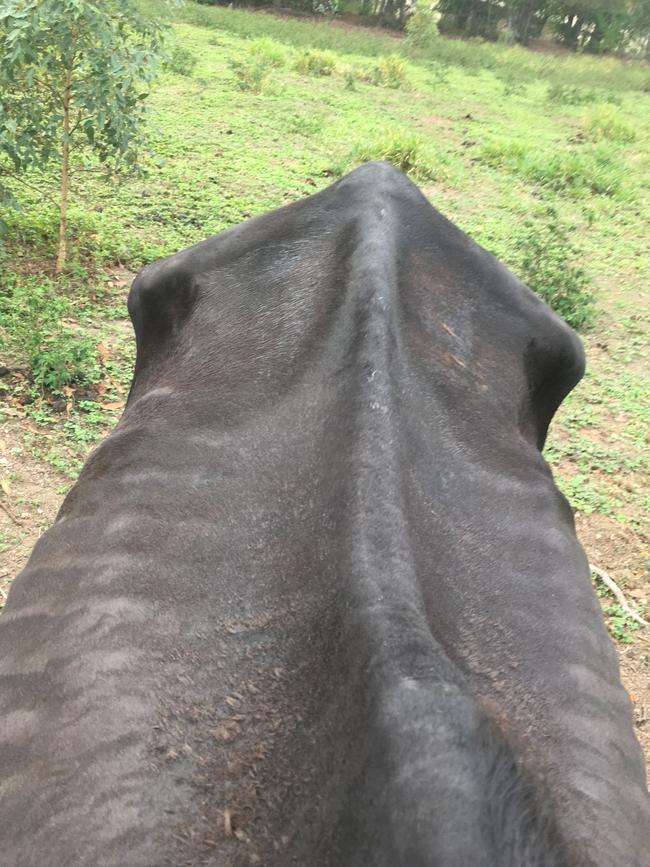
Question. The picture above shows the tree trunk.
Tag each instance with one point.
(572, 32)
(522, 21)
(65, 176)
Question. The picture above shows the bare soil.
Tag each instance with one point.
(28, 504)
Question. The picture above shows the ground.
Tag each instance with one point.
(494, 136)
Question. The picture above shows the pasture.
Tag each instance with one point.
(542, 159)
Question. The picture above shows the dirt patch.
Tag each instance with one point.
(436, 121)
(547, 46)
(30, 498)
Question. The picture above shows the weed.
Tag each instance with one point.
(389, 72)
(250, 73)
(440, 72)
(252, 70)
(545, 257)
(594, 169)
(95, 238)
(605, 122)
(60, 359)
(586, 496)
(503, 153)
(350, 79)
(621, 625)
(30, 316)
(512, 83)
(568, 94)
(272, 53)
(181, 61)
(313, 62)
(400, 148)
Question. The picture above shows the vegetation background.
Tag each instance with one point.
(542, 156)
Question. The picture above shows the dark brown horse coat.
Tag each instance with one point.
(317, 601)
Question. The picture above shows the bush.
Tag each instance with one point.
(312, 62)
(389, 72)
(31, 314)
(421, 29)
(604, 122)
(544, 257)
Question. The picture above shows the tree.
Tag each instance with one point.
(589, 25)
(74, 73)
(526, 18)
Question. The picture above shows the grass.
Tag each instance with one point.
(255, 111)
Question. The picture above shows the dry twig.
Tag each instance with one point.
(10, 514)
(618, 593)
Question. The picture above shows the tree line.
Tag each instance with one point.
(595, 26)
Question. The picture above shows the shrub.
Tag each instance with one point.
(421, 29)
(544, 257)
(389, 72)
(313, 62)
(30, 318)
(272, 53)
(181, 61)
(604, 122)
(62, 359)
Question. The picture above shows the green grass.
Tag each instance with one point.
(495, 135)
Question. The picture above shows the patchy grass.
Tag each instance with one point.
(495, 136)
